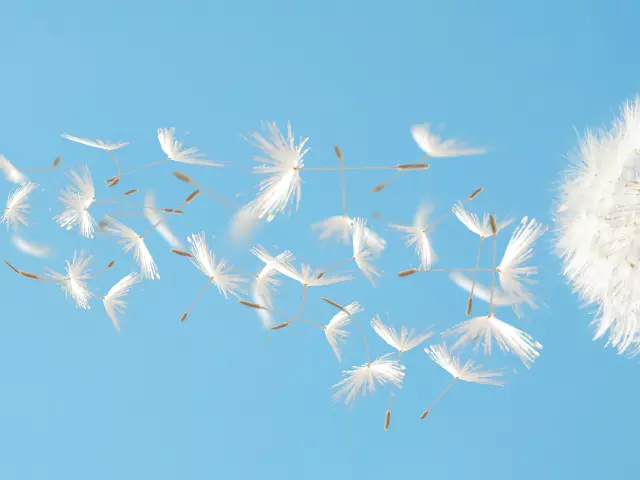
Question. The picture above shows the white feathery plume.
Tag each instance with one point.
(482, 292)
(434, 146)
(417, 234)
(132, 241)
(282, 161)
(113, 303)
(511, 271)
(83, 185)
(340, 227)
(597, 227)
(473, 223)
(174, 150)
(73, 281)
(362, 254)
(335, 329)
(30, 248)
(363, 379)
(15, 213)
(306, 276)
(76, 213)
(263, 287)
(469, 372)
(403, 341)
(102, 145)
(155, 219)
(509, 338)
(218, 272)
(11, 173)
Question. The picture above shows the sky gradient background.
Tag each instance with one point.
(218, 396)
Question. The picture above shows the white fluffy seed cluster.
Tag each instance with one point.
(597, 219)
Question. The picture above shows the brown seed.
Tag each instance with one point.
(251, 304)
(469, 305)
(181, 253)
(320, 275)
(494, 227)
(110, 179)
(338, 152)
(475, 193)
(387, 420)
(282, 325)
(111, 264)
(130, 192)
(177, 212)
(424, 414)
(57, 161)
(413, 166)
(32, 276)
(191, 197)
(379, 187)
(114, 183)
(408, 272)
(184, 316)
(183, 177)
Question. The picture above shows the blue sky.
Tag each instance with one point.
(218, 396)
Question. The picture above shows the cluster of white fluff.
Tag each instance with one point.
(597, 220)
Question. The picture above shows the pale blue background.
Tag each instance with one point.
(217, 396)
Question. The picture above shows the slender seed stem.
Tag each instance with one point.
(458, 270)
(193, 304)
(153, 227)
(333, 169)
(387, 420)
(153, 164)
(115, 160)
(364, 339)
(293, 319)
(426, 412)
(333, 267)
(475, 277)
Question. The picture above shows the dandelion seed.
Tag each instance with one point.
(264, 286)
(468, 372)
(403, 341)
(363, 379)
(417, 234)
(102, 145)
(282, 161)
(362, 254)
(11, 173)
(511, 271)
(174, 150)
(219, 273)
(77, 213)
(132, 241)
(335, 329)
(481, 228)
(434, 146)
(15, 213)
(113, 303)
(74, 281)
(340, 227)
(484, 329)
(305, 276)
(154, 218)
(30, 248)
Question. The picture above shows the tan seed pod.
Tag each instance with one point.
(408, 272)
(475, 193)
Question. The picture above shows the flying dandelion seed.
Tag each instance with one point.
(15, 213)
